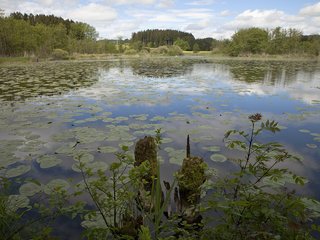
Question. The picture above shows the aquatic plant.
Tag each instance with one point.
(256, 201)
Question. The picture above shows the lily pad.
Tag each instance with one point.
(66, 149)
(29, 189)
(157, 118)
(166, 140)
(56, 185)
(95, 166)
(107, 149)
(17, 201)
(92, 166)
(304, 130)
(311, 145)
(218, 158)
(128, 144)
(17, 171)
(176, 156)
(48, 161)
(94, 221)
(83, 157)
(212, 148)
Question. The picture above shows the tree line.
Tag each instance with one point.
(28, 34)
(39, 35)
(157, 37)
(277, 41)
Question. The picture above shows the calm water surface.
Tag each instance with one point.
(51, 112)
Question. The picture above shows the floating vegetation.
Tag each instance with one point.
(66, 149)
(175, 156)
(56, 185)
(107, 149)
(63, 114)
(218, 157)
(83, 157)
(48, 161)
(311, 145)
(140, 117)
(212, 148)
(18, 171)
(15, 202)
(29, 189)
(7, 152)
(92, 166)
(127, 144)
(157, 118)
(166, 140)
(304, 130)
(88, 135)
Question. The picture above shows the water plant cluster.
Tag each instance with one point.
(127, 199)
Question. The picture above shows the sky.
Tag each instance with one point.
(204, 18)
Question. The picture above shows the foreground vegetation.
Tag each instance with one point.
(257, 201)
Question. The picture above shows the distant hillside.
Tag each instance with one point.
(158, 37)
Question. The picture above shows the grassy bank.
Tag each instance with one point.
(204, 54)
(14, 60)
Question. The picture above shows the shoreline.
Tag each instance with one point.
(191, 55)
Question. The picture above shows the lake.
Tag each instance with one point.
(52, 111)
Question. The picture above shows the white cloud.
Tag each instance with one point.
(269, 19)
(119, 28)
(225, 13)
(123, 2)
(93, 13)
(258, 18)
(193, 13)
(201, 3)
(197, 26)
(46, 2)
(165, 3)
(312, 10)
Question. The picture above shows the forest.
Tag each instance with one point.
(43, 35)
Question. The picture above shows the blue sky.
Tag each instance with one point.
(203, 18)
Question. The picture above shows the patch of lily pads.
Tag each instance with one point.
(175, 156)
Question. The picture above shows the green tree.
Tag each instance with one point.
(249, 41)
(184, 45)
(1, 13)
(196, 48)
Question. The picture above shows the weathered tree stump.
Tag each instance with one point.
(190, 179)
(146, 150)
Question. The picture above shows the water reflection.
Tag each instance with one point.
(162, 68)
(299, 80)
(104, 104)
